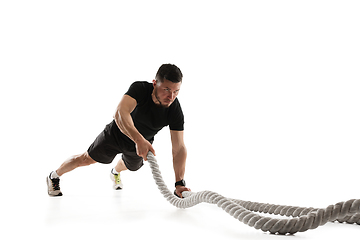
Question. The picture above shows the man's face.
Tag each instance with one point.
(165, 92)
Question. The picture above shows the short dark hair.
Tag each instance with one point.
(169, 72)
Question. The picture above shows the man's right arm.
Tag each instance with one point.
(126, 125)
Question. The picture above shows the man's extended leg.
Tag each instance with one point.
(75, 162)
(53, 180)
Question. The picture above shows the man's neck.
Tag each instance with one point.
(154, 98)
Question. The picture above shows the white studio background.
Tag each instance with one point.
(270, 96)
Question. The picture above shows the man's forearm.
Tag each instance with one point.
(179, 162)
(126, 126)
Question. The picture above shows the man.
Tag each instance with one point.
(143, 111)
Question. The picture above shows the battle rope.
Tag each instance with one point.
(302, 219)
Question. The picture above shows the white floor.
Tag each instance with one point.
(91, 209)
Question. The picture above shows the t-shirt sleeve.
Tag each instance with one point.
(177, 119)
(137, 91)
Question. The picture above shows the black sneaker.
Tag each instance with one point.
(53, 186)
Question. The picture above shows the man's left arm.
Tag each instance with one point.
(179, 158)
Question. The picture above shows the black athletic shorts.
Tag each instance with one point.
(110, 143)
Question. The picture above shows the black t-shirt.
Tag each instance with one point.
(149, 118)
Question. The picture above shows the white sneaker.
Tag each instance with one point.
(53, 186)
(115, 178)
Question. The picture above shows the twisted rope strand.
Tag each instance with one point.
(300, 218)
